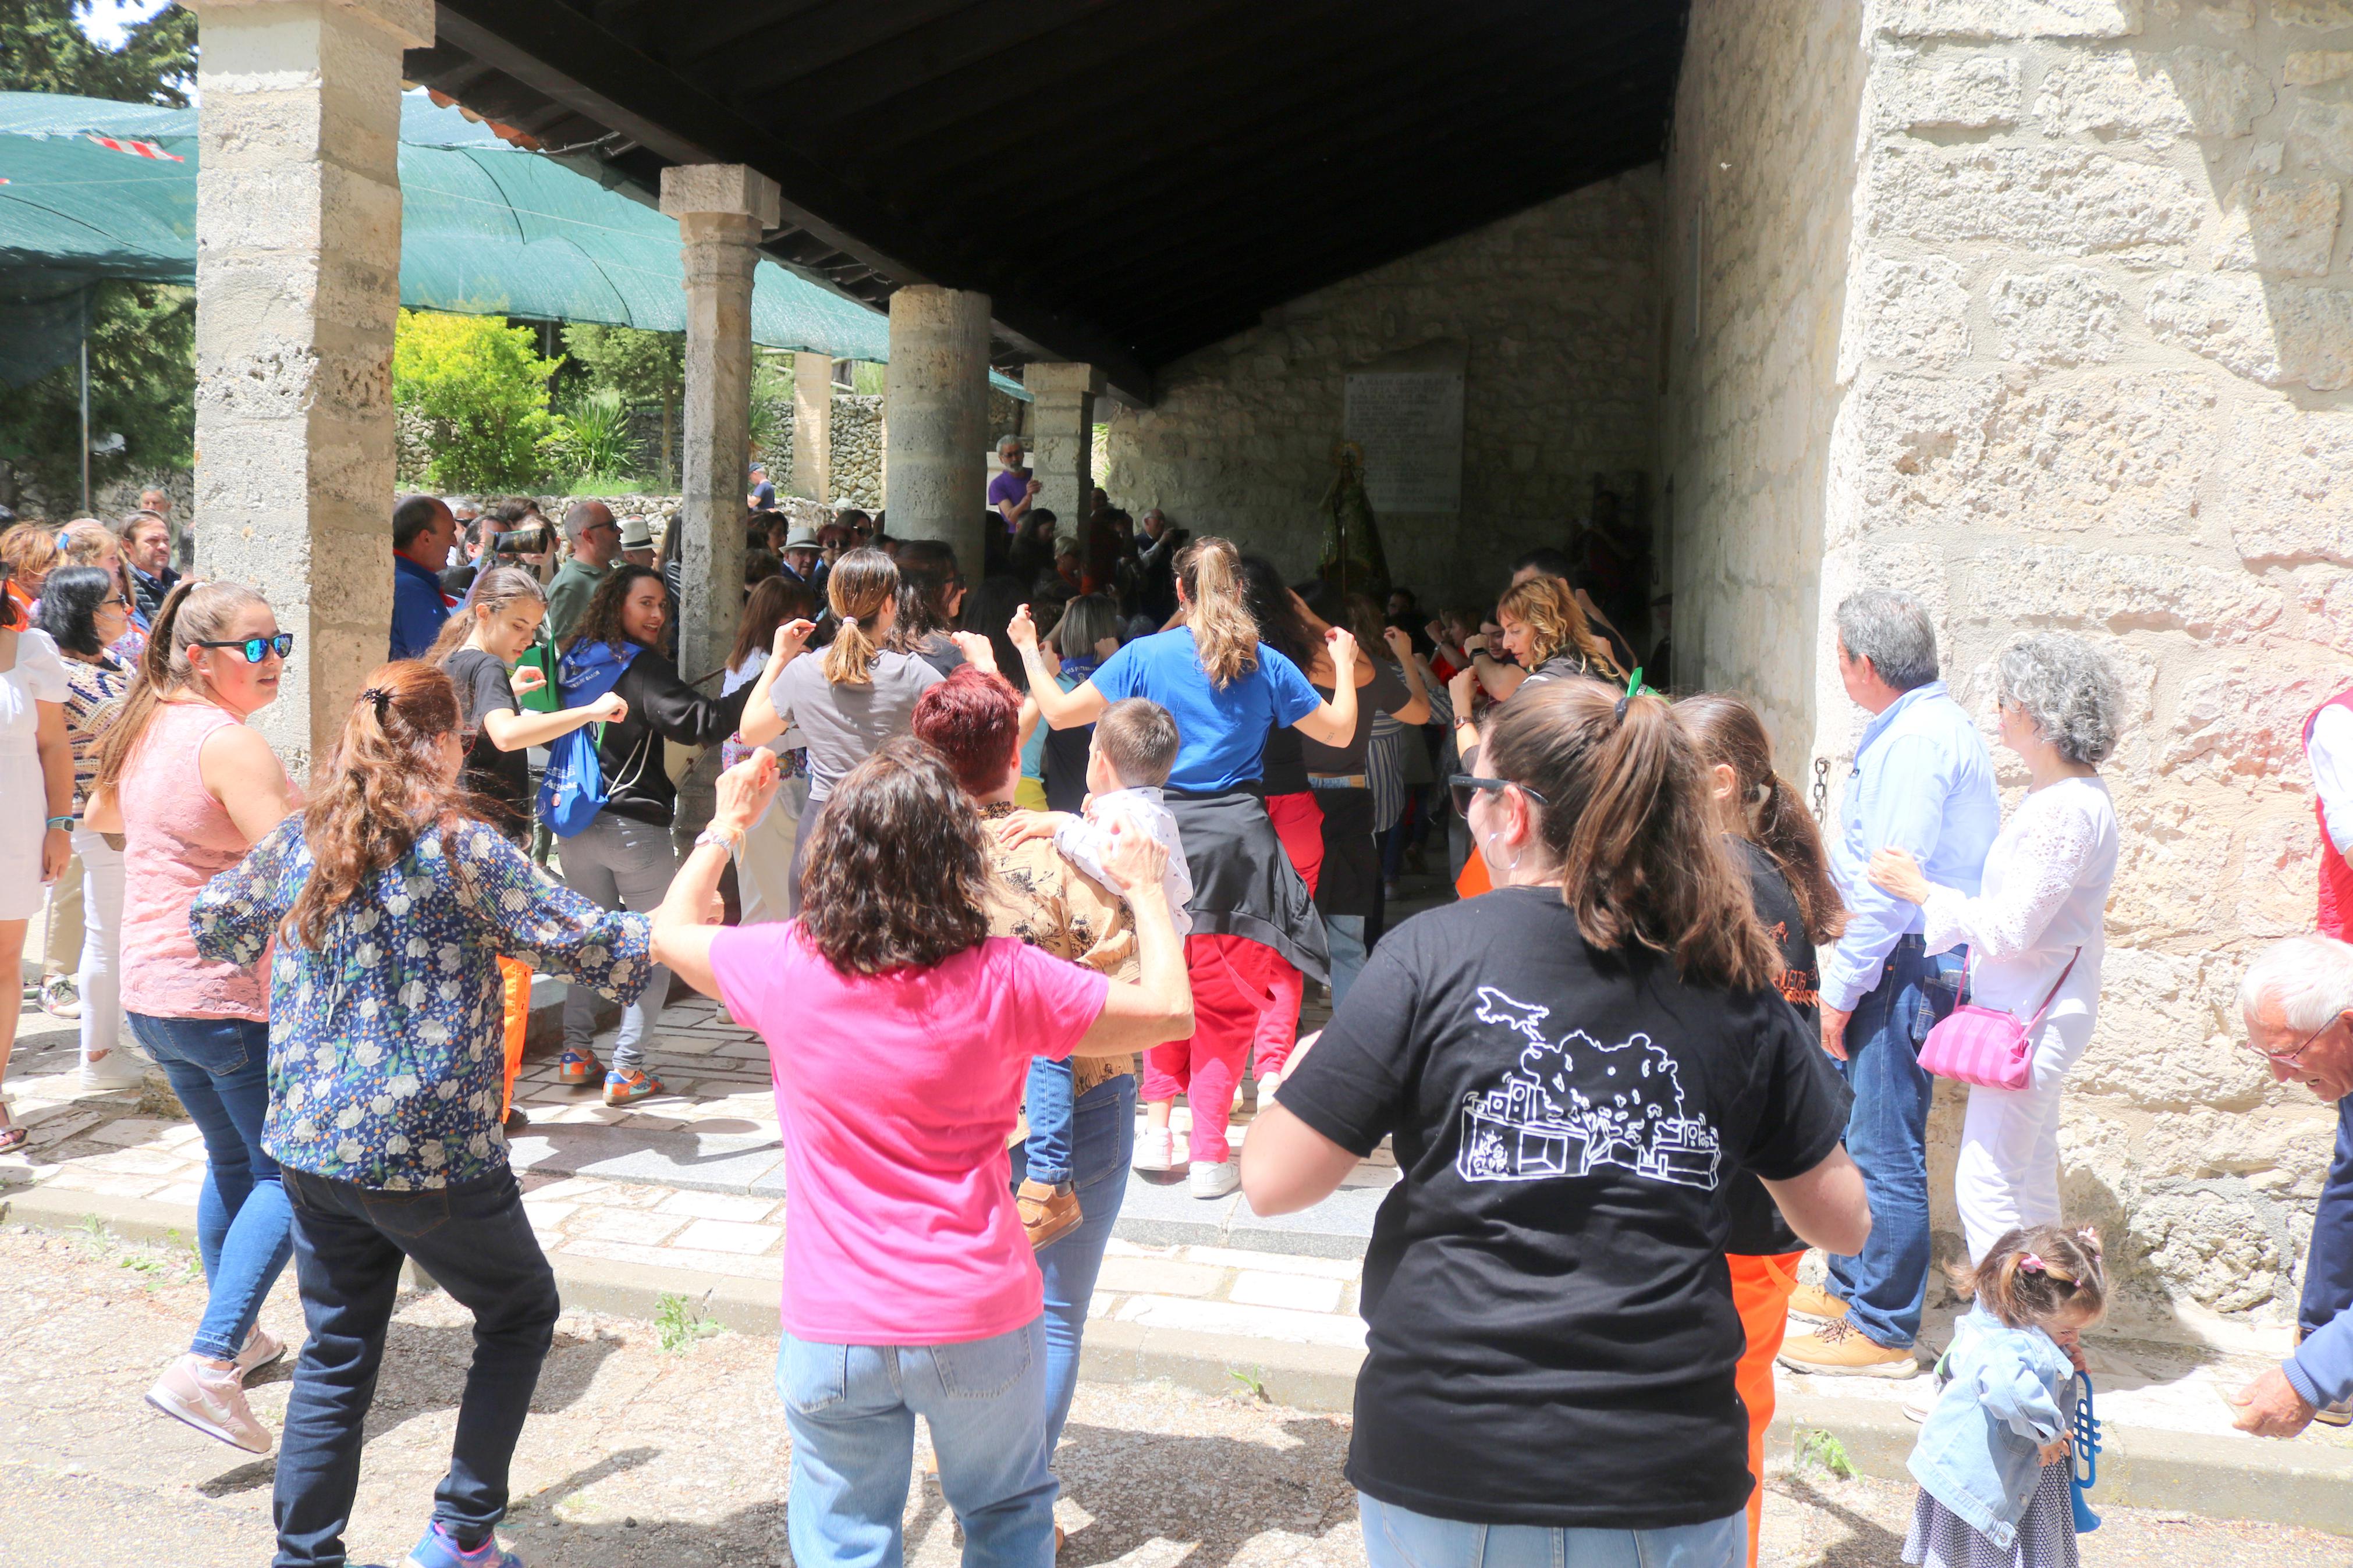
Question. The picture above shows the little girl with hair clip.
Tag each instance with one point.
(1992, 1459)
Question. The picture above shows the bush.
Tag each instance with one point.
(483, 389)
(593, 435)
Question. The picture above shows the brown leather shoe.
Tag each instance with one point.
(1048, 1213)
(1813, 1301)
(1840, 1350)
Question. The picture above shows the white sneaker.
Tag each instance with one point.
(211, 1400)
(1155, 1150)
(1216, 1180)
(117, 1069)
(260, 1349)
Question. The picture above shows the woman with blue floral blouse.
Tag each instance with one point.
(390, 909)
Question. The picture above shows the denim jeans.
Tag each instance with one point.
(852, 1411)
(220, 1070)
(619, 863)
(349, 1241)
(1101, 1141)
(1046, 1106)
(1399, 1538)
(1347, 937)
(1887, 1133)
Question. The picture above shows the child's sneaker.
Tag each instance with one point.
(1215, 1179)
(1155, 1150)
(438, 1549)
(1047, 1213)
(626, 1086)
(578, 1067)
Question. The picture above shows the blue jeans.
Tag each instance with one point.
(1046, 1105)
(1346, 934)
(349, 1241)
(1103, 1142)
(1399, 1538)
(1887, 1133)
(220, 1070)
(852, 1411)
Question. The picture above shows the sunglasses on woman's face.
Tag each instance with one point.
(1466, 785)
(256, 649)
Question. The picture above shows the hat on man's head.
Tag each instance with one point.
(803, 537)
(637, 533)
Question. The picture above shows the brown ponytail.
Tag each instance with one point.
(384, 788)
(1224, 635)
(2033, 1276)
(193, 612)
(1627, 816)
(1765, 810)
(861, 583)
(1556, 623)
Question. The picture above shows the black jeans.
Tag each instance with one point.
(349, 1241)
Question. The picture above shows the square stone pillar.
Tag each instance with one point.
(1063, 443)
(723, 209)
(812, 474)
(935, 405)
(298, 290)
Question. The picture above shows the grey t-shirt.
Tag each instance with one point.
(844, 725)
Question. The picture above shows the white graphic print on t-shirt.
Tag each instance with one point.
(1562, 1113)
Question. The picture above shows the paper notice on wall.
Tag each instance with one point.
(1409, 425)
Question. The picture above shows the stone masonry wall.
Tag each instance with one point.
(2097, 340)
(1558, 307)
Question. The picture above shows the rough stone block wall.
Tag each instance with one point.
(858, 450)
(1558, 306)
(2091, 374)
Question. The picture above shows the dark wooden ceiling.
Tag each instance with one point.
(1128, 180)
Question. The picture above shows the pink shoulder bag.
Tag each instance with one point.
(1985, 1045)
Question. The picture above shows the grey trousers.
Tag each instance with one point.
(620, 864)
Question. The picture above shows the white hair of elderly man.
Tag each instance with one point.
(2307, 979)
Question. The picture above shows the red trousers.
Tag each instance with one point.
(1231, 976)
(1761, 1288)
(1299, 823)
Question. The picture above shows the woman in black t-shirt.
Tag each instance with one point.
(1568, 1067)
(1765, 822)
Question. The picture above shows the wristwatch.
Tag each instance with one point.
(61, 823)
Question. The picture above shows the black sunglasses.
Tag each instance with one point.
(255, 647)
(1465, 785)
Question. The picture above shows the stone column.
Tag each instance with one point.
(812, 474)
(936, 409)
(1061, 442)
(722, 210)
(298, 289)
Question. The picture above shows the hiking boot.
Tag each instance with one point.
(1840, 1350)
(1816, 1304)
(1047, 1213)
(60, 998)
(1215, 1178)
(578, 1067)
(439, 1549)
(1155, 1150)
(260, 1348)
(626, 1086)
(211, 1400)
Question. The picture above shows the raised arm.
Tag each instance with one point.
(760, 722)
(687, 920)
(1082, 704)
(1334, 722)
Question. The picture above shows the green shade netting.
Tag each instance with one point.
(486, 229)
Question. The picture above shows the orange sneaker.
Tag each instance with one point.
(1048, 1213)
(578, 1067)
(626, 1086)
(1840, 1350)
(1814, 1302)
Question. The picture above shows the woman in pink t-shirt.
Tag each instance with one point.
(901, 1034)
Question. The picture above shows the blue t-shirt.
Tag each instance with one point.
(1221, 734)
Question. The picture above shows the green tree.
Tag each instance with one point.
(143, 387)
(43, 49)
(642, 366)
(484, 392)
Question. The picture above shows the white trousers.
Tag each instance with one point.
(2008, 1173)
(101, 979)
(764, 870)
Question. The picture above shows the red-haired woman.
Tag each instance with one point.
(391, 909)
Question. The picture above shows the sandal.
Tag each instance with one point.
(12, 1137)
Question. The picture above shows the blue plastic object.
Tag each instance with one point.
(2085, 1461)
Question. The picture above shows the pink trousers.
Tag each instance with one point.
(1299, 823)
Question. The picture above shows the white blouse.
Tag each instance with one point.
(2045, 896)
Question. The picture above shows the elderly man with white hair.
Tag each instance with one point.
(2298, 1000)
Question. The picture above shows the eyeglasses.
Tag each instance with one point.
(255, 648)
(1465, 785)
(122, 599)
(2287, 1058)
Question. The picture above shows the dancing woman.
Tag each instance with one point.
(1249, 909)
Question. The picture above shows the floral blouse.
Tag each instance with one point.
(385, 1059)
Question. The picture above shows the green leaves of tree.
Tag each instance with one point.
(43, 49)
(483, 389)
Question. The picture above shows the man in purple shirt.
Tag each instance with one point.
(1012, 491)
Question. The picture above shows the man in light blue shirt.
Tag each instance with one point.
(1922, 780)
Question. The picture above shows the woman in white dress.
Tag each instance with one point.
(36, 788)
(2044, 894)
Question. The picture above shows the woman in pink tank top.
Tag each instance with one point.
(190, 788)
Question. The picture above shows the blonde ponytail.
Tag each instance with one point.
(861, 584)
(193, 612)
(1224, 635)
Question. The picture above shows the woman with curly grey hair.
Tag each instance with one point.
(2034, 931)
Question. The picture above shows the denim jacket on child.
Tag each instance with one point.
(2008, 1396)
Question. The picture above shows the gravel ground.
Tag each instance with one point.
(641, 1455)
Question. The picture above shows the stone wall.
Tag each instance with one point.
(114, 500)
(2091, 374)
(858, 450)
(1558, 307)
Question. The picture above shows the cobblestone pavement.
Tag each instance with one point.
(637, 1456)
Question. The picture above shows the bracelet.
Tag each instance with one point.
(61, 823)
(713, 836)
